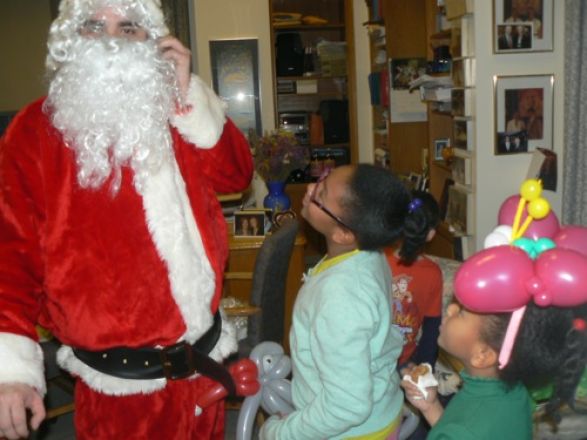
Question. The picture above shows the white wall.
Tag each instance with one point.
(363, 63)
(501, 176)
(231, 19)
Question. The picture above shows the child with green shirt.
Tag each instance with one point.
(503, 351)
(344, 348)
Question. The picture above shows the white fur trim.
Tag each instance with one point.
(105, 383)
(21, 361)
(179, 244)
(203, 125)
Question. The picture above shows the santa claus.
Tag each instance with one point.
(111, 235)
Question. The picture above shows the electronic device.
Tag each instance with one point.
(335, 117)
(289, 54)
(297, 123)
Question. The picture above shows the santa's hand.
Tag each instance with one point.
(180, 55)
(244, 374)
(15, 399)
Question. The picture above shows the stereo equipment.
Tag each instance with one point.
(297, 123)
(335, 117)
(289, 54)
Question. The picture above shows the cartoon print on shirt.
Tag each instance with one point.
(405, 311)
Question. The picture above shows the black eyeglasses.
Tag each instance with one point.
(320, 205)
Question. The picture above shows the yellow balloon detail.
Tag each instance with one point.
(531, 189)
(539, 208)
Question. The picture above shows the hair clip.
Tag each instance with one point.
(579, 324)
(414, 204)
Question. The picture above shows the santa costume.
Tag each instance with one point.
(127, 263)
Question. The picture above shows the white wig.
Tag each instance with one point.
(73, 14)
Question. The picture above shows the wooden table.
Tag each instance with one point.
(243, 252)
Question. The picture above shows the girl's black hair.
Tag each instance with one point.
(376, 208)
(418, 224)
(547, 349)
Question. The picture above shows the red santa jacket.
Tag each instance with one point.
(102, 270)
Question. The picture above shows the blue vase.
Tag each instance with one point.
(277, 200)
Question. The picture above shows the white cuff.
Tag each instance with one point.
(21, 361)
(204, 123)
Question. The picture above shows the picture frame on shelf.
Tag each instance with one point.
(235, 78)
(443, 202)
(462, 102)
(402, 71)
(522, 26)
(462, 168)
(463, 135)
(459, 210)
(439, 145)
(463, 72)
(249, 223)
(523, 113)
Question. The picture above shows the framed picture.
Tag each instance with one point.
(463, 134)
(459, 211)
(439, 145)
(235, 76)
(522, 26)
(250, 223)
(402, 71)
(523, 113)
(463, 72)
(462, 168)
(462, 102)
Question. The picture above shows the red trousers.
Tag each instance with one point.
(167, 414)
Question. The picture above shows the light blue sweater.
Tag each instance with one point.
(344, 353)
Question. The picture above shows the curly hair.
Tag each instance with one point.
(376, 208)
(548, 348)
(73, 13)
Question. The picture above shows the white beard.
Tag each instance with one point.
(112, 103)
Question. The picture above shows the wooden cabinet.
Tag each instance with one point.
(321, 81)
(243, 253)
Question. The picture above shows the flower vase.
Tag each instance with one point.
(277, 200)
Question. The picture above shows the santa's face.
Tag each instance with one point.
(112, 99)
(108, 21)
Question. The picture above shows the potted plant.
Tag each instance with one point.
(277, 154)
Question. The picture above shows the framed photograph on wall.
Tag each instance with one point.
(523, 113)
(522, 26)
(235, 76)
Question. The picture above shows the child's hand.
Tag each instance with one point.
(416, 398)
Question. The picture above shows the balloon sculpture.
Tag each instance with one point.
(274, 396)
(533, 259)
(244, 376)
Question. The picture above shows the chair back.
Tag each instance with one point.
(268, 285)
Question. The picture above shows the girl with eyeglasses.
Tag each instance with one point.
(344, 347)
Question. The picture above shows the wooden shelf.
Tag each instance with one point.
(331, 94)
(309, 27)
(299, 78)
(442, 164)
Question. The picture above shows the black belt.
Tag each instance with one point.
(177, 361)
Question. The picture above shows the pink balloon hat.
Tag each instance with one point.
(505, 278)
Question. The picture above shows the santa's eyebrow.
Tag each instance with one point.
(129, 24)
